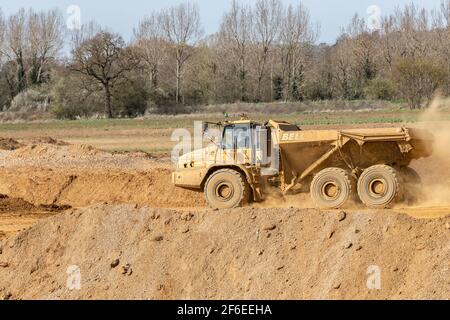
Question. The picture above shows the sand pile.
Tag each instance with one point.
(55, 173)
(53, 151)
(7, 205)
(79, 187)
(9, 144)
(129, 252)
(18, 215)
(48, 140)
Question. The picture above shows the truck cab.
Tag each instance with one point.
(242, 149)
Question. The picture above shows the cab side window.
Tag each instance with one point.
(242, 137)
(227, 139)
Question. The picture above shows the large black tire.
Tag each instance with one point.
(226, 189)
(412, 185)
(331, 188)
(379, 186)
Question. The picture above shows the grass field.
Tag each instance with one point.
(153, 134)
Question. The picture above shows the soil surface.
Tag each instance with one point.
(124, 252)
(118, 220)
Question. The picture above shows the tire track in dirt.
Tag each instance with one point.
(70, 180)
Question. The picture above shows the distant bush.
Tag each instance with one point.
(130, 98)
(162, 102)
(317, 90)
(418, 79)
(31, 100)
(380, 89)
(72, 99)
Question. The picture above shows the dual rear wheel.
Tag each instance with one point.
(332, 187)
(378, 186)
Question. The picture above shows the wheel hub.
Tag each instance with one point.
(377, 187)
(224, 191)
(330, 190)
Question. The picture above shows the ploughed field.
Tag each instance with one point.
(153, 134)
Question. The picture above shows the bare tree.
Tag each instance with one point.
(4, 98)
(45, 36)
(297, 34)
(14, 49)
(388, 43)
(441, 26)
(413, 25)
(2, 37)
(31, 40)
(268, 14)
(236, 31)
(182, 29)
(342, 63)
(103, 59)
(151, 45)
(262, 50)
(363, 49)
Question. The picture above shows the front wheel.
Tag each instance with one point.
(226, 189)
(379, 186)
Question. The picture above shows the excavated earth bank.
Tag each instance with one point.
(122, 244)
(126, 252)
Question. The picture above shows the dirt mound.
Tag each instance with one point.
(48, 140)
(79, 187)
(8, 204)
(45, 150)
(55, 173)
(17, 214)
(52, 151)
(9, 144)
(128, 252)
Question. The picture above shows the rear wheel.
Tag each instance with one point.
(331, 188)
(226, 189)
(379, 186)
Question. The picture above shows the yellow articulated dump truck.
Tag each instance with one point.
(251, 160)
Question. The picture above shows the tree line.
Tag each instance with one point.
(263, 52)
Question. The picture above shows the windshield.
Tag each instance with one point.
(236, 136)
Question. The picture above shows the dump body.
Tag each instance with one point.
(306, 151)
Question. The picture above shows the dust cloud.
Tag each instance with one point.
(435, 171)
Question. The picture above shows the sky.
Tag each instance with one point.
(122, 16)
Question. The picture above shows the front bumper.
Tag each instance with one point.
(189, 178)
